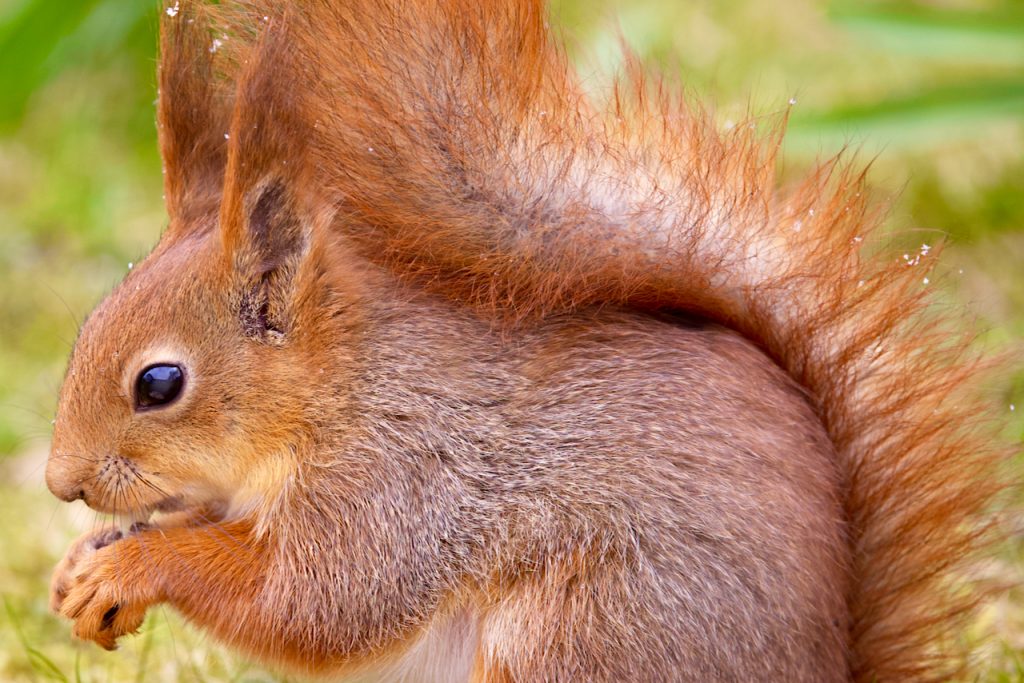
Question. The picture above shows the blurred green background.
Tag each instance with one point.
(931, 92)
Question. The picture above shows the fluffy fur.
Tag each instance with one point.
(492, 407)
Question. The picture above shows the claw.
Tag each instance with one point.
(88, 588)
(108, 618)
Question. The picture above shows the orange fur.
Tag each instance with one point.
(484, 173)
(490, 205)
(448, 144)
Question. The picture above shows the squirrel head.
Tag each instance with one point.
(194, 382)
(191, 384)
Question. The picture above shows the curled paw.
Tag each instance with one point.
(82, 549)
(98, 586)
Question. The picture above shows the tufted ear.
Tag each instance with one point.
(266, 257)
(193, 113)
(264, 216)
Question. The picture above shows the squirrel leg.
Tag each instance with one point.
(107, 581)
(561, 624)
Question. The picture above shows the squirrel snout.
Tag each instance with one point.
(69, 495)
(63, 484)
(65, 491)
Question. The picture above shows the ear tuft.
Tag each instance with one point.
(264, 208)
(193, 110)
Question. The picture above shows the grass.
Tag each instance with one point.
(932, 92)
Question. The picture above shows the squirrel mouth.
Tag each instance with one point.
(136, 520)
(170, 504)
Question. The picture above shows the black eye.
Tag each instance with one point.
(158, 385)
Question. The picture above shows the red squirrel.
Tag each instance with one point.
(443, 371)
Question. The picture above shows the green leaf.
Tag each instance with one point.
(927, 116)
(993, 37)
(41, 38)
(41, 664)
(28, 36)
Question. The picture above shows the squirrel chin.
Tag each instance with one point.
(169, 513)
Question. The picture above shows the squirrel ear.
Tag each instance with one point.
(274, 231)
(272, 235)
(193, 113)
(264, 224)
(266, 257)
(266, 156)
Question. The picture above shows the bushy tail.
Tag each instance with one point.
(456, 146)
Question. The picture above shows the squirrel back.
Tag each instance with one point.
(449, 145)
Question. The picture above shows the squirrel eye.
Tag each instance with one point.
(158, 385)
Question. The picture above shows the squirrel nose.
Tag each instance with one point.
(65, 492)
(69, 495)
(64, 485)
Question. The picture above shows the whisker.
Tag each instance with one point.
(88, 479)
(74, 318)
(142, 479)
(236, 552)
(57, 505)
(30, 411)
(64, 454)
(209, 523)
(31, 474)
(36, 434)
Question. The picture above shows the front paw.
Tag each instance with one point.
(74, 559)
(99, 586)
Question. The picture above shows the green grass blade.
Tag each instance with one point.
(40, 663)
(27, 38)
(927, 116)
(993, 37)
